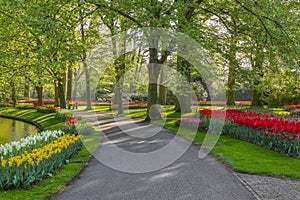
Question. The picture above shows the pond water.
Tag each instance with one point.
(14, 130)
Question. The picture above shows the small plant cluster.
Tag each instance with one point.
(45, 109)
(25, 107)
(69, 126)
(74, 126)
(275, 132)
(36, 158)
(62, 116)
(292, 106)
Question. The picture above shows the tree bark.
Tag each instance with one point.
(56, 96)
(205, 87)
(61, 93)
(39, 90)
(27, 91)
(14, 95)
(88, 86)
(184, 101)
(256, 99)
(153, 71)
(162, 99)
(64, 82)
(230, 92)
(118, 94)
(77, 75)
(69, 83)
(233, 64)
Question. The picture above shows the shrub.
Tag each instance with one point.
(2, 105)
(84, 127)
(69, 126)
(25, 107)
(46, 110)
(62, 116)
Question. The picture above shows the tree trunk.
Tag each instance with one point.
(88, 87)
(64, 83)
(61, 93)
(77, 75)
(184, 101)
(256, 99)
(56, 96)
(39, 90)
(205, 87)
(162, 99)
(153, 71)
(14, 95)
(118, 94)
(119, 65)
(233, 64)
(230, 92)
(27, 91)
(69, 83)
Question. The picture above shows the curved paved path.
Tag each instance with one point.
(186, 178)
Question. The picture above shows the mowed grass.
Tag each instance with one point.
(47, 121)
(238, 155)
(52, 185)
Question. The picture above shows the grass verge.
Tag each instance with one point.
(52, 185)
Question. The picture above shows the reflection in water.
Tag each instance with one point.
(14, 130)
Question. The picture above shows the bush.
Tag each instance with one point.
(62, 116)
(3, 105)
(84, 127)
(46, 110)
(25, 107)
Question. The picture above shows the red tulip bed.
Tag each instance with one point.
(275, 132)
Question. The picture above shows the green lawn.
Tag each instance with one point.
(53, 184)
(238, 155)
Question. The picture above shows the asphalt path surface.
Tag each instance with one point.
(188, 177)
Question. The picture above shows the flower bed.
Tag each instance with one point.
(291, 106)
(221, 102)
(29, 167)
(278, 133)
(135, 104)
(28, 143)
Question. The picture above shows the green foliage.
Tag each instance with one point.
(81, 127)
(84, 127)
(4, 105)
(46, 110)
(62, 116)
(25, 107)
(69, 128)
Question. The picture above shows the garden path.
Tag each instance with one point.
(186, 178)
